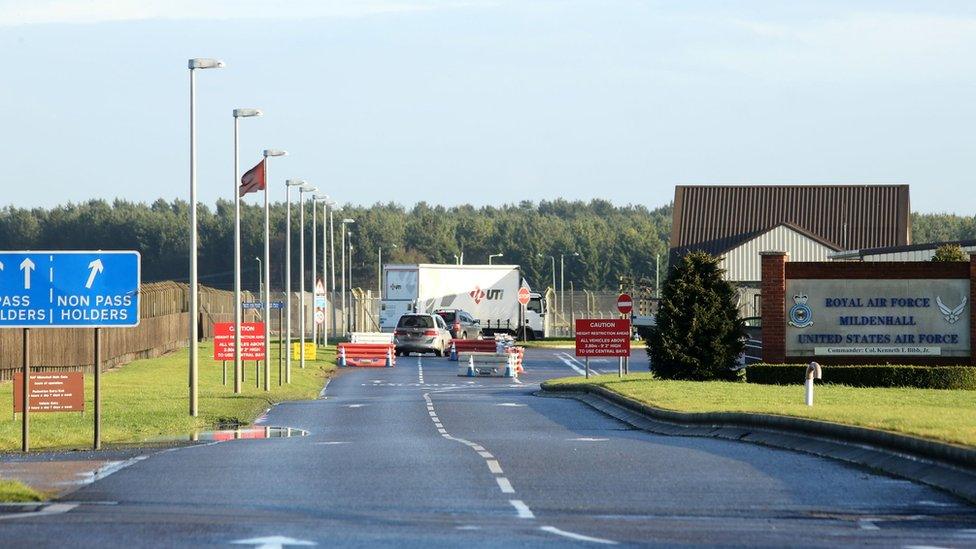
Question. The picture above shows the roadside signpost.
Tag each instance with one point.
(66, 289)
(602, 337)
(523, 299)
(625, 304)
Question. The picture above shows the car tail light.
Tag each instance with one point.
(430, 332)
(398, 333)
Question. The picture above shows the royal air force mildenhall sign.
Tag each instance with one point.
(69, 289)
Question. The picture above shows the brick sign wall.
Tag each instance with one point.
(868, 312)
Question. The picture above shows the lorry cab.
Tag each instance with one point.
(536, 319)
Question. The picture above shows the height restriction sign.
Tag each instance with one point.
(600, 337)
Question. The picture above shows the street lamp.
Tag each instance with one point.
(326, 201)
(349, 318)
(193, 65)
(332, 205)
(342, 248)
(492, 256)
(562, 282)
(301, 268)
(268, 153)
(316, 198)
(238, 363)
(288, 185)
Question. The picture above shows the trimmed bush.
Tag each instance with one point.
(698, 334)
(920, 377)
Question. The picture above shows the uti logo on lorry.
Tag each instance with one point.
(479, 295)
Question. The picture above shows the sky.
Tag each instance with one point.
(489, 101)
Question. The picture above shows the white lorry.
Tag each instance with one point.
(488, 292)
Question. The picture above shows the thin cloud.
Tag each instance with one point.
(38, 12)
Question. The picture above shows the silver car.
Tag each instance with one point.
(421, 333)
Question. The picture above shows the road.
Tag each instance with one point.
(417, 456)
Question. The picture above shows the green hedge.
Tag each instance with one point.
(922, 377)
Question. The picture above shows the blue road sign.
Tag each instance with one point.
(69, 289)
(260, 304)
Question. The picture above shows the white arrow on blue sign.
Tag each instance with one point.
(69, 289)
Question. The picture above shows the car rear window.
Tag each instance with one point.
(448, 316)
(415, 321)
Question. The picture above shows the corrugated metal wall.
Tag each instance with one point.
(912, 255)
(743, 264)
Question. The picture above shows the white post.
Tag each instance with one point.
(194, 329)
(813, 372)
(325, 274)
(315, 282)
(288, 282)
(809, 387)
(266, 264)
(301, 276)
(342, 249)
(237, 259)
(332, 263)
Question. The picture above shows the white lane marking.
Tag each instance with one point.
(331, 443)
(867, 524)
(485, 454)
(467, 527)
(494, 467)
(589, 439)
(522, 509)
(566, 361)
(431, 412)
(924, 547)
(477, 448)
(936, 503)
(52, 509)
(511, 404)
(581, 365)
(442, 431)
(504, 485)
(354, 405)
(273, 542)
(577, 537)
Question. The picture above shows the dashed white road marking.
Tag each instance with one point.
(354, 405)
(511, 404)
(504, 485)
(331, 443)
(485, 454)
(867, 524)
(522, 509)
(577, 537)
(589, 439)
(494, 467)
(568, 362)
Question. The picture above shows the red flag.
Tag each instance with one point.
(253, 180)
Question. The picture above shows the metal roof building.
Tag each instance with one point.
(913, 252)
(811, 222)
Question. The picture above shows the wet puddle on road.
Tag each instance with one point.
(243, 433)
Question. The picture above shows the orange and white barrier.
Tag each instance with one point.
(367, 355)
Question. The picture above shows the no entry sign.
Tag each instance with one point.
(625, 304)
(602, 337)
(252, 341)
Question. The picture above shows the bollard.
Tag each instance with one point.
(813, 372)
(454, 355)
(342, 357)
(389, 358)
(471, 372)
(510, 366)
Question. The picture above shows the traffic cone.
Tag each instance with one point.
(471, 372)
(389, 358)
(342, 357)
(454, 356)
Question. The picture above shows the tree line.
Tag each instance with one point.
(612, 241)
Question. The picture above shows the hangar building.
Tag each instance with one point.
(811, 222)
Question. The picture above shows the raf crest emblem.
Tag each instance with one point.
(951, 315)
(801, 315)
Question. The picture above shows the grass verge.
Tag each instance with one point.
(149, 399)
(12, 491)
(942, 415)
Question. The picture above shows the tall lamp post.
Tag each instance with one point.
(238, 364)
(260, 278)
(342, 248)
(349, 319)
(492, 256)
(301, 268)
(288, 185)
(193, 65)
(324, 200)
(332, 205)
(268, 153)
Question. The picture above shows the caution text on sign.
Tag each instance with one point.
(252, 341)
(597, 337)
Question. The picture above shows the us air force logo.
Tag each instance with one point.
(950, 314)
(801, 316)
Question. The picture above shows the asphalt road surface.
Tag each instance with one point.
(417, 456)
